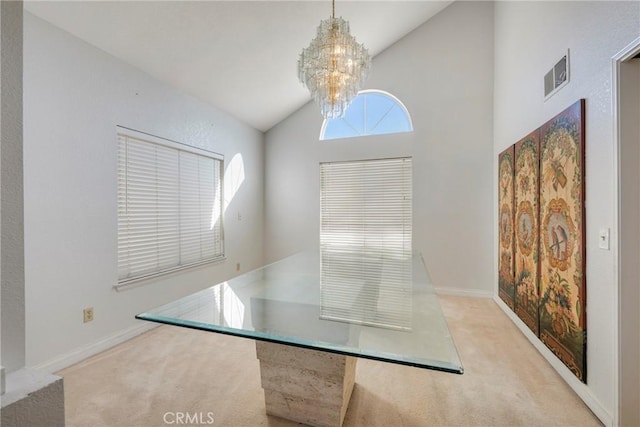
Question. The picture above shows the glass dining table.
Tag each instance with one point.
(313, 314)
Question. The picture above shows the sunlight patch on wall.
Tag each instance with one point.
(233, 178)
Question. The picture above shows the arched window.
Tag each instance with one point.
(372, 112)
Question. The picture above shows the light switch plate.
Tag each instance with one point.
(603, 239)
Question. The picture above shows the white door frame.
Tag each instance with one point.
(631, 50)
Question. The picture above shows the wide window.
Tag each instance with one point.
(366, 205)
(372, 112)
(169, 206)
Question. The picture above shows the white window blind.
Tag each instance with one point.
(366, 205)
(365, 242)
(169, 206)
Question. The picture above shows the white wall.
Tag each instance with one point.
(74, 96)
(529, 38)
(443, 73)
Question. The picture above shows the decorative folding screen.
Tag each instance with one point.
(506, 288)
(548, 188)
(562, 243)
(527, 164)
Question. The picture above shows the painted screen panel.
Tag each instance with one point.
(527, 165)
(506, 289)
(562, 239)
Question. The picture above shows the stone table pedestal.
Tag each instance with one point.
(307, 386)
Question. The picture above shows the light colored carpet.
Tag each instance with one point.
(170, 369)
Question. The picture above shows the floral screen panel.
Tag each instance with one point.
(506, 288)
(562, 238)
(526, 229)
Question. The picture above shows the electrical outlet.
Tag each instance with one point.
(238, 266)
(87, 314)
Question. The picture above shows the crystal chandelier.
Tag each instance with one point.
(334, 66)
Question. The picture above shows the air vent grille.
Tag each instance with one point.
(557, 77)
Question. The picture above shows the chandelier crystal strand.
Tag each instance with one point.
(333, 67)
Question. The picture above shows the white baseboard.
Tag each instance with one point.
(473, 293)
(581, 389)
(81, 353)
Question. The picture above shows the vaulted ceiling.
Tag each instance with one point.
(239, 56)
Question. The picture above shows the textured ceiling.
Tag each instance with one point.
(239, 56)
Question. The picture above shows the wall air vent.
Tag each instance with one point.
(557, 77)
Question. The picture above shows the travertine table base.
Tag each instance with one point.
(307, 386)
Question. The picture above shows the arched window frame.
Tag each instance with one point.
(379, 92)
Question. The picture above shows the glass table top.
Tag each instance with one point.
(372, 305)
